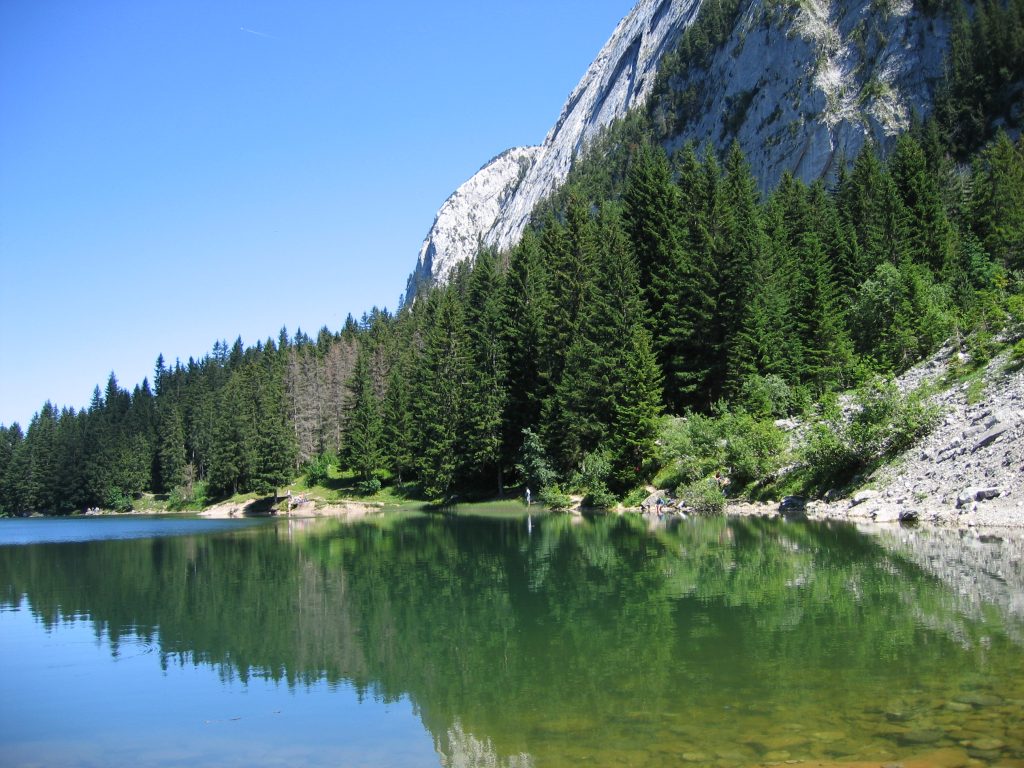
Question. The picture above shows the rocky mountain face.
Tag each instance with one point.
(801, 84)
(494, 206)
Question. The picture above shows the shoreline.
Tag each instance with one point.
(347, 510)
(879, 510)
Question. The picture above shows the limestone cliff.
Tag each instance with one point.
(801, 84)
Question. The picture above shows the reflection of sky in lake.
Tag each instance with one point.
(65, 700)
(42, 530)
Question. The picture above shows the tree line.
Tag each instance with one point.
(549, 365)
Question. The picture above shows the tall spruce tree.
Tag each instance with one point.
(742, 246)
(440, 397)
(364, 434)
(524, 317)
(487, 392)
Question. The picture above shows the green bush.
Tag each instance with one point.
(704, 497)
(368, 487)
(187, 497)
(592, 481)
(767, 396)
(554, 498)
(318, 471)
(745, 448)
(883, 423)
(635, 497)
(600, 498)
(533, 466)
(117, 500)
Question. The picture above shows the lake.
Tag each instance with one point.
(427, 640)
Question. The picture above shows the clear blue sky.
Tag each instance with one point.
(173, 173)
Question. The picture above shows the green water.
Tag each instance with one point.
(453, 640)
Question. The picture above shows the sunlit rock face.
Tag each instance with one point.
(801, 87)
(494, 206)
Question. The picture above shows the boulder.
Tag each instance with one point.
(975, 493)
(990, 435)
(861, 496)
(792, 503)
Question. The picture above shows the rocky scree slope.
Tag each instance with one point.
(801, 84)
(967, 473)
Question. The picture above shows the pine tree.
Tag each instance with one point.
(636, 407)
(572, 426)
(440, 397)
(524, 317)
(487, 392)
(41, 441)
(691, 374)
(768, 341)
(364, 434)
(398, 422)
(930, 234)
(998, 206)
(674, 272)
(743, 243)
(11, 439)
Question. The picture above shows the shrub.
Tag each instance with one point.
(533, 466)
(554, 498)
(883, 423)
(704, 497)
(599, 498)
(767, 396)
(117, 500)
(318, 471)
(592, 481)
(748, 449)
(188, 496)
(368, 487)
(635, 497)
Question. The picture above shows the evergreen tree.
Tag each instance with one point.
(487, 392)
(171, 448)
(742, 246)
(667, 275)
(524, 317)
(690, 376)
(768, 340)
(930, 233)
(998, 206)
(41, 441)
(398, 428)
(440, 398)
(635, 410)
(11, 439)
(572, 426)
(364, 434)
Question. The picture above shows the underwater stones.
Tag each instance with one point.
(921, 736)
(987, 744)
(979, 699)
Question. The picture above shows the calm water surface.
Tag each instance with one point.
(423, 641)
